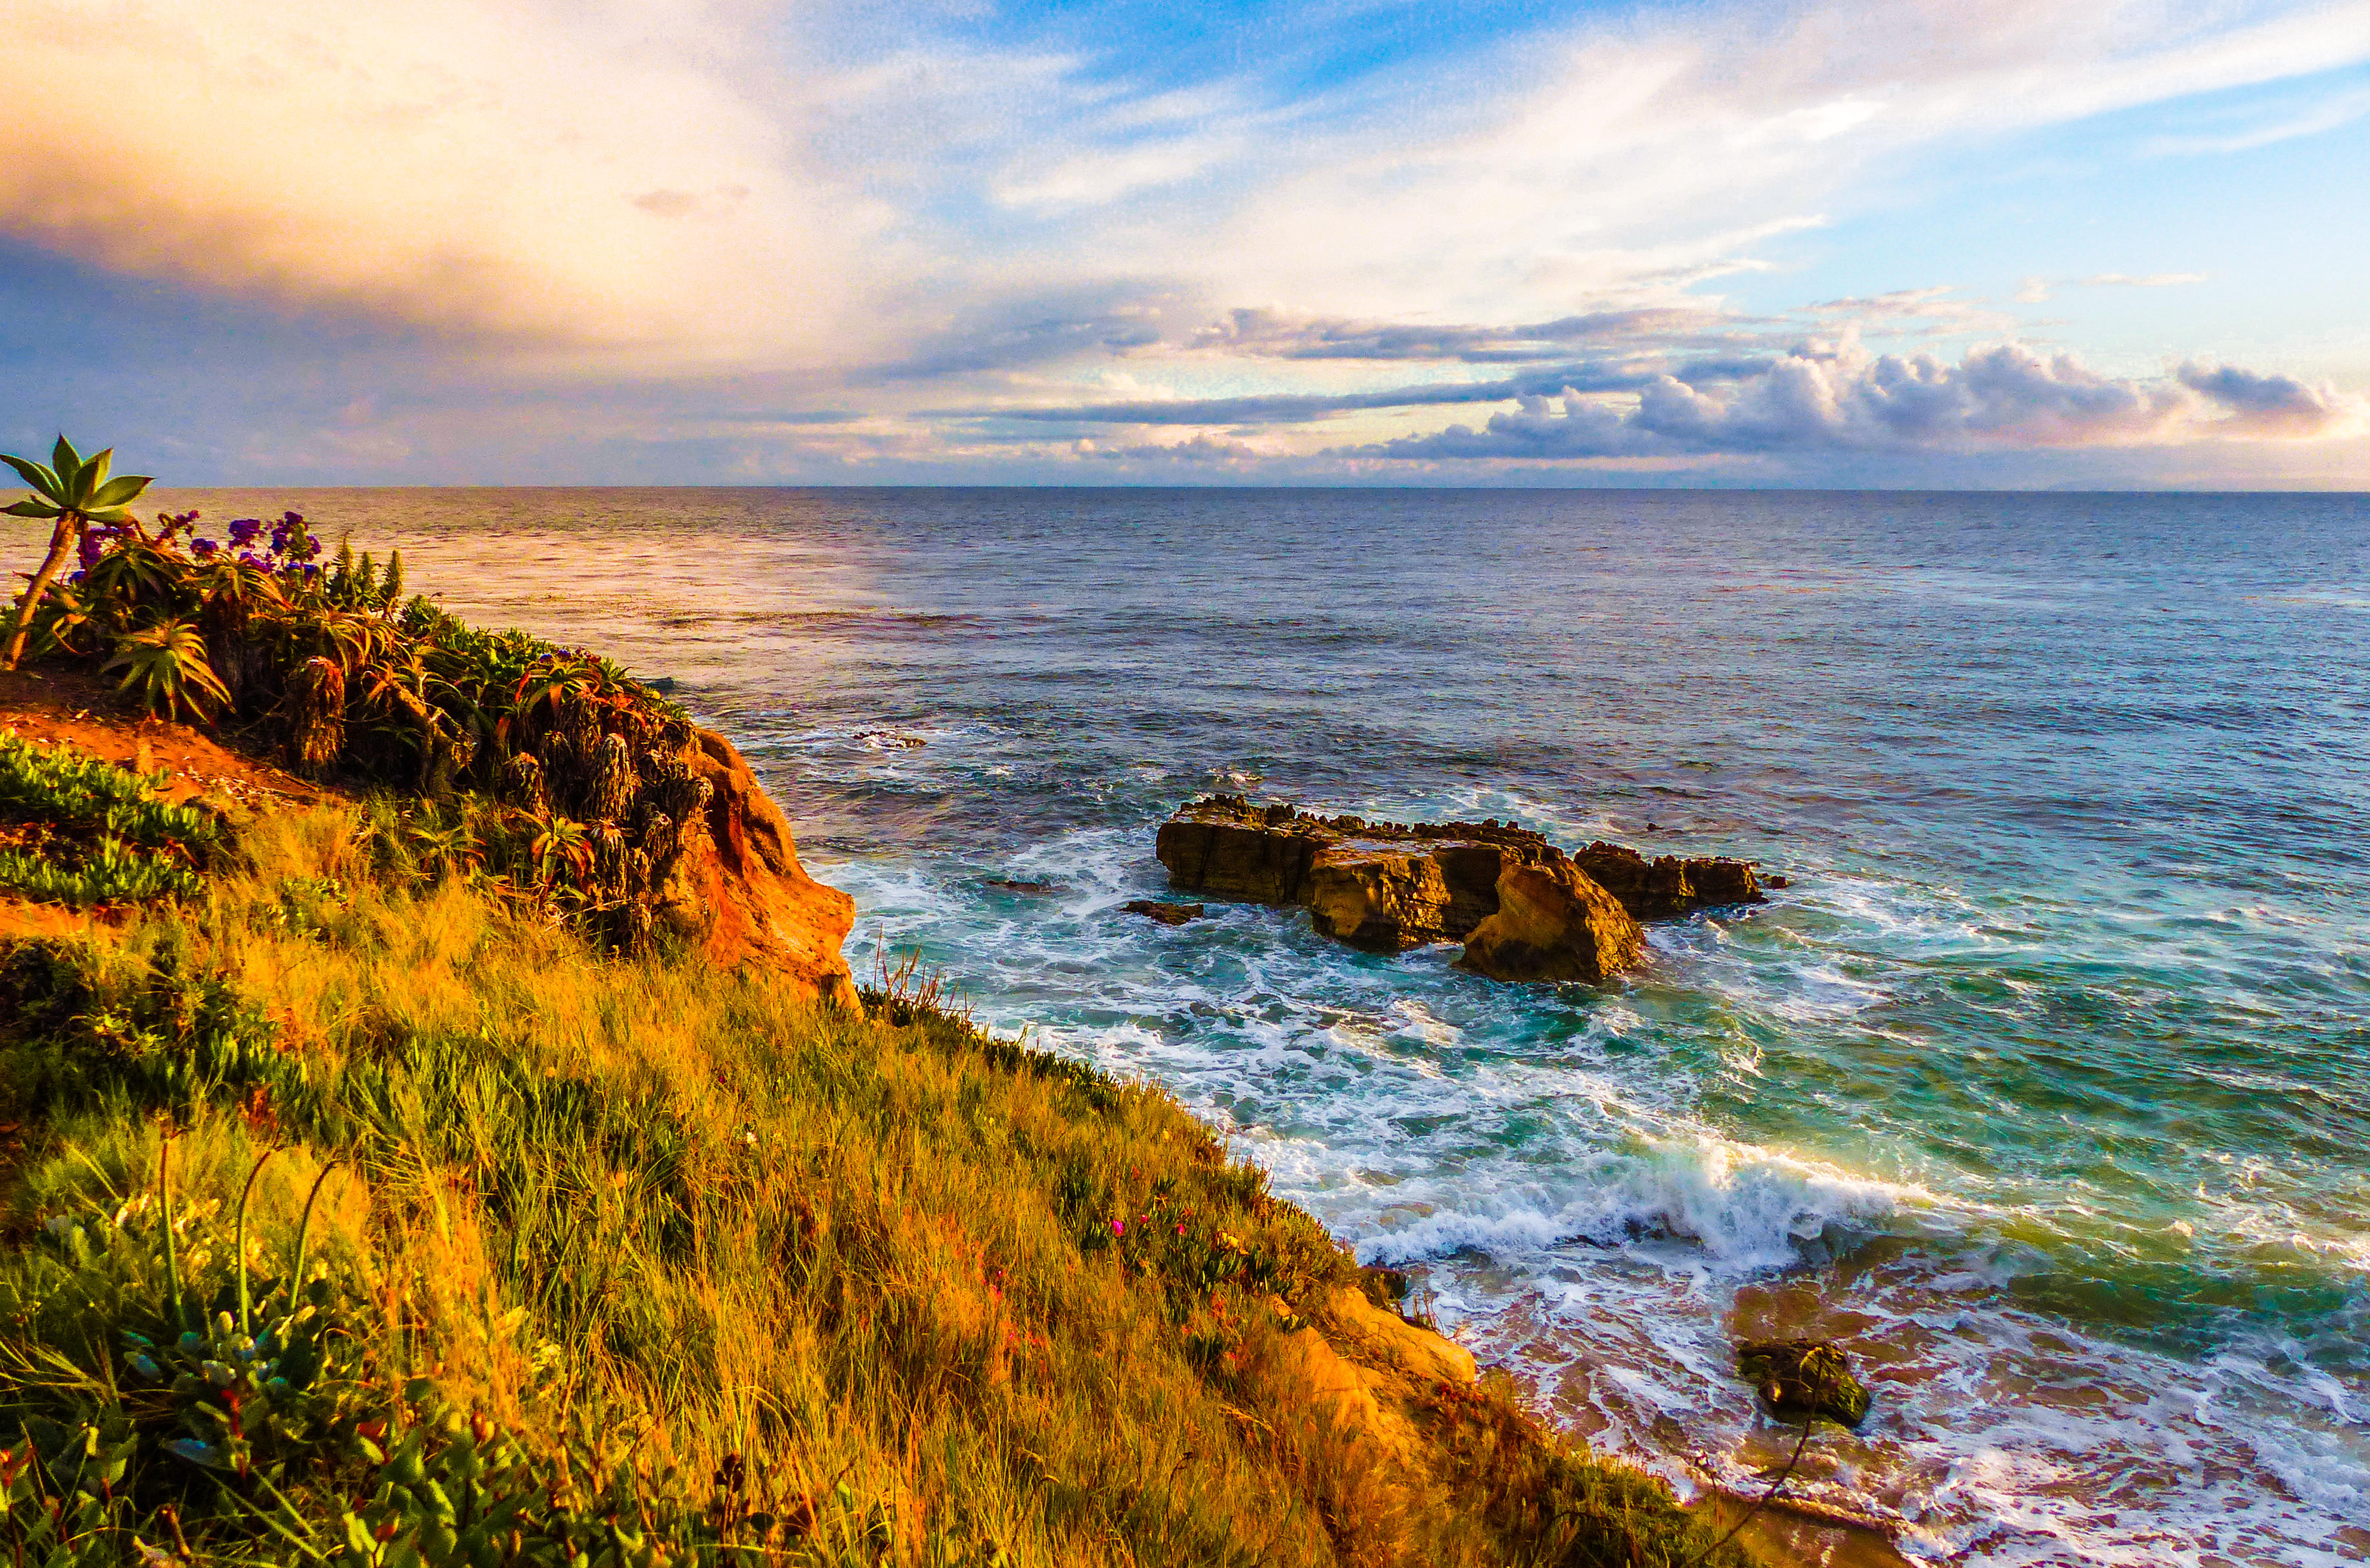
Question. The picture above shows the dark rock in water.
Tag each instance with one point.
(1389, 886)
(1011, 885)
(1803, 1377)
(1166, 914)
(1774, 880)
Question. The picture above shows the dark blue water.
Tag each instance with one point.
(2046, 1086)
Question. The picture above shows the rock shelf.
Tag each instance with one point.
(1524, 909)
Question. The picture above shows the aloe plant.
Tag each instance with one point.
(77, 491)
(167, 664)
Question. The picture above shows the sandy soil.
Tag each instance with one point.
(67, 705)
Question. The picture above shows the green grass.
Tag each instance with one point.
(624, 1260)
(75, 829)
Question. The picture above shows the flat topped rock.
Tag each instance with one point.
(1387, 886)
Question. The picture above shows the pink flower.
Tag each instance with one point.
(1119, 1228)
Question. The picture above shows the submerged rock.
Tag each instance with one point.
(1386, 887)
(1013, 884)
(1803, 1377)
(1166, 914)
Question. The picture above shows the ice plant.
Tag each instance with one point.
(77, 491)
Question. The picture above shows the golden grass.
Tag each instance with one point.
(903, 1293)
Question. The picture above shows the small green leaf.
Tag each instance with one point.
(40, 479)
(108, 514)
(120, 489)
(66, 462)
(30, 509)
(93, 472)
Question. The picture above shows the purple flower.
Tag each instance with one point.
(204, 549)
(243, 531)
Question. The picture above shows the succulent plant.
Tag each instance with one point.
(75, 490)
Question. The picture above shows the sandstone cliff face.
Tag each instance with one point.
(1386, 887)
(740, 892)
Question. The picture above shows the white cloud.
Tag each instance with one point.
(2040, 291)
(2339, 111)
(623, 191)
(1842, 398)
(531, 173)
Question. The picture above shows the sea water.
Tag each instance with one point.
(2044, 1087)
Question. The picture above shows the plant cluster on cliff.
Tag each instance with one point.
(546, 766)
(356, 1219)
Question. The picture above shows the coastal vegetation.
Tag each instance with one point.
(370, 1196)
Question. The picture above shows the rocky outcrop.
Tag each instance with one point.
(1525, 910)
(1553, 923)
(739, 892)
(1667, 885)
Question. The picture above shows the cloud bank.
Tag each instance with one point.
(2001, 395)
(832, 234)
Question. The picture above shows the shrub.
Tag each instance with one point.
(75, 829)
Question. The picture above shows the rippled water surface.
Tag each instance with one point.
(2045, 1086)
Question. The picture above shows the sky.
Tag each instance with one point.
(1923, 244)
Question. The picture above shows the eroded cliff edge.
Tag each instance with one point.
(740, 891)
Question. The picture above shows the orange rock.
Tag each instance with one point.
(1553, 923)
(1383, 900)
(1388, 886)
(740, 891)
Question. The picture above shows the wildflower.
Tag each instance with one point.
(204, 549)
(243, 531)
(1119, 1228)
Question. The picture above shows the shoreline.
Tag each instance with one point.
(1361, 1372)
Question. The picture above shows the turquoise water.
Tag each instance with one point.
(2045, 1086)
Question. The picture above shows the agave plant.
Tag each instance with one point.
(167, 664)
(77, 491)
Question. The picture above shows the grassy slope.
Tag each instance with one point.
(858, 1284)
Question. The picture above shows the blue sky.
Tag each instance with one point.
(1983, 243)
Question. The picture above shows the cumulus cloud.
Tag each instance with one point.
(531, 173)
(948, 218)
(2001, 395)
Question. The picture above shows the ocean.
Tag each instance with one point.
(2044, 1087)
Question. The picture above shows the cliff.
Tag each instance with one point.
(741, 892)
(481, 1241)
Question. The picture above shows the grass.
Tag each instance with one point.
(621, 1260)
(76, 830)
